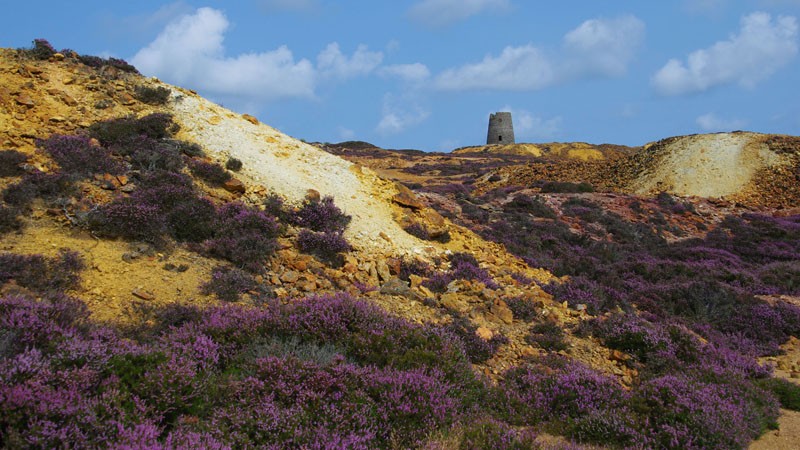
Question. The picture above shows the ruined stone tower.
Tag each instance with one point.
(501, 129)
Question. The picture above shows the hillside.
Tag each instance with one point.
(174, 274)
(753, 169)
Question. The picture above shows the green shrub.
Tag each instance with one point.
(788, 393)
(152, 95)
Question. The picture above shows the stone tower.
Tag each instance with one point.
(501, 129)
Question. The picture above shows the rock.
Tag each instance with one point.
(383, 271)
(290, 276)
(235, 186)
(484, 333)
(617, 355)
(250, 119)
(394, 265)
(69, 101)
(313, 195)
(33, 69)
(144, 295)
(396, 286)
(58, 57)
(69, 80)
(25, 100)
(454, 302)
(415, 280)
(405, 197)
(126, 99)
(57, 119)
(502, 311)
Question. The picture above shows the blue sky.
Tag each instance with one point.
(425, 74)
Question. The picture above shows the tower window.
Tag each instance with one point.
(500, 138)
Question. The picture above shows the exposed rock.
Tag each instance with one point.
(454, 302)
(234, 185)
(502, 311)
(405, 197)
(250, 119)
(396, 286)
(484, 333)
(144, 295)
(313, 195)
(290, 276)
(25, 100)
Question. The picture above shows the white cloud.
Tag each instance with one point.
(190, 52)
(415, 72)
(516, 68)
(598, 47)
(710, 122)
(604, 46)
(438, 13)
(761, 48)
(302, 6)
(529, 126)
(332, 63)
(400, 113)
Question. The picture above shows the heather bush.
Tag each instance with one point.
(129, 219)
(152, 95)
(523, 308)
(418, 230)
(371, 336)
(488, 433)
(228, 283)
(233, 164)
(325, 245)
(533, 205)
(228, 377)
(569, 397)
(478, 349)
(438, 282)
(77, 155)
(548, 336)
(320, 216)
(116, 131)
(11, 162)
(787, 393)
(41, 50)
(688, 411)
(780, 277)
(373, 407)
(566, 187)
(413, 266)
(40, 273)
(209, 172)
(9, 220)
(189, 149)
(275, 207)
(48, 186)
(322, 354)
(173, 198)
(243, 236)
(464, 266)
(192, 220)
(121, 64)
(149, 154)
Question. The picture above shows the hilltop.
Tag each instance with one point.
(199, 279)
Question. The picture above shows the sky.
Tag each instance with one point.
(426, 74)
